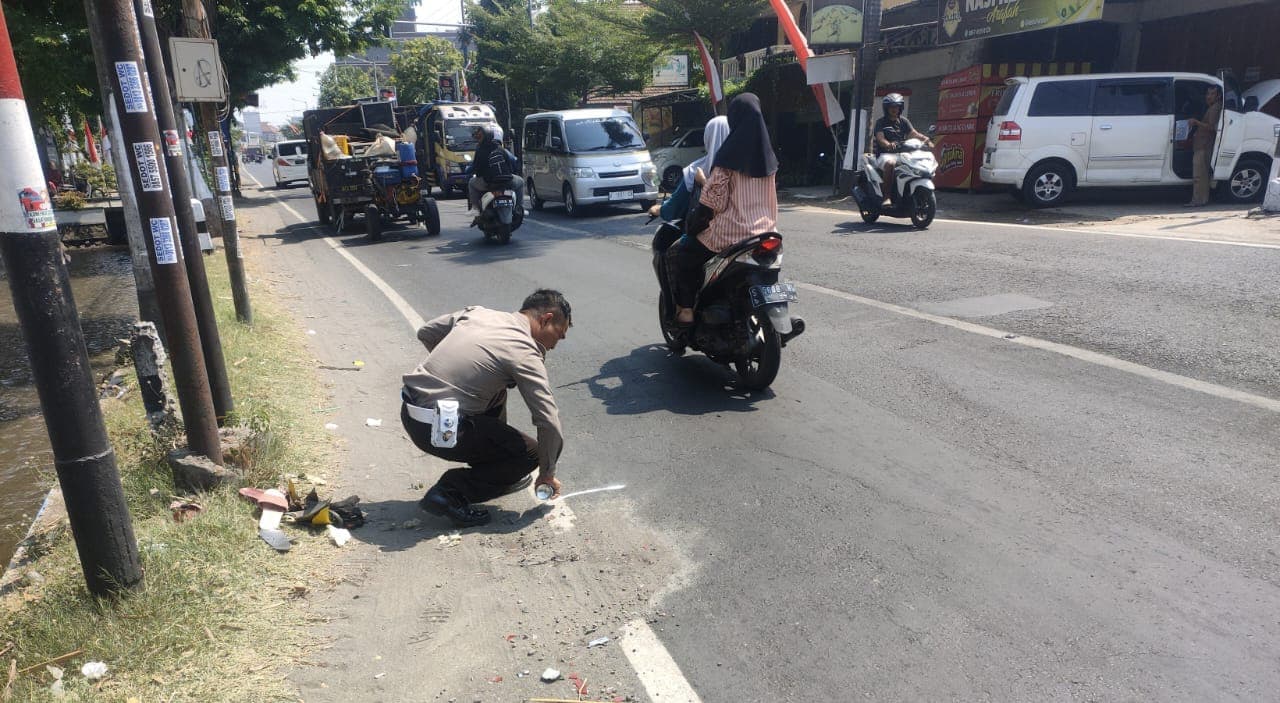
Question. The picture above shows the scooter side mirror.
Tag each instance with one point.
(933, 129)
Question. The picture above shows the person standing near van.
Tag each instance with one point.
(1202, 146)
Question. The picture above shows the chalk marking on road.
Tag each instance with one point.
(402, 306)
(1076, 230)
(1091, 357)
(658, 672)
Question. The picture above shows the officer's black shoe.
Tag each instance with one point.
(459, 511)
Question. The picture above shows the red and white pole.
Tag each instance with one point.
(41, 288)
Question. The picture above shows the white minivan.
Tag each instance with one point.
(1050, 135)
(586, 157)
(289, 162)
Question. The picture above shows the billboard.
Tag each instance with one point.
(836, 24)
(671, 71)
(961, 20)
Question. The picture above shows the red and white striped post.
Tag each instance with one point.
(32, 251)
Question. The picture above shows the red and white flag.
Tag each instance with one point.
(711, 71)
(827, 103)
(89, 144)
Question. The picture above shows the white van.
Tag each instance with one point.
(1050, 135)
(289, 162)
(586, 157)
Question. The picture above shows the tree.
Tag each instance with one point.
(673, 22)
(576, 49)
(343, 84)
(417, 64)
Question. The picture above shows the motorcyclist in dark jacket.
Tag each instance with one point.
(486, 174)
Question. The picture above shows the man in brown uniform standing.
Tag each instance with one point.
(1202, 146)
(476, 354)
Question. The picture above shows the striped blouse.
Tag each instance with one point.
(744, 207)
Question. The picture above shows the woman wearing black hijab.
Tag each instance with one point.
(741, 195)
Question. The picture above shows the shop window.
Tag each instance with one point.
(1060, 99)
(1132, 98)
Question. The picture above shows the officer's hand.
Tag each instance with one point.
(655, 210)
(551, 481)
(699, 177)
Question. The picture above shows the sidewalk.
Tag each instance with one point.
(1154, 211)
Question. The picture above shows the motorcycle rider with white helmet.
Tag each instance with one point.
(890, 131)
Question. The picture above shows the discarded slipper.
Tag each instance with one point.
(274, 498)
(270, 519)
(253, 495)
(277, 539)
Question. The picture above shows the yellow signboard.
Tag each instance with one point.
(962, 20)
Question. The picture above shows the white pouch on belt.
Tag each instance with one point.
(444, 431)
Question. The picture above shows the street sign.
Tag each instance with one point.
(448, 87)
(829, 68)
(197, 70)
(961, 20)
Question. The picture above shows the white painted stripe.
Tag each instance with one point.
(20, 171)
(1091, 357)
(658, 672)
(401, 305)
(1074, 230)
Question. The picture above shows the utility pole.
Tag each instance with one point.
(864, 79)
(197, 25)
(32, 252)
(176, 164)
(114, 25)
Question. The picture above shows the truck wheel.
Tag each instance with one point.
(372, 223)
(431, 217)
(534, 200)
(322, 211)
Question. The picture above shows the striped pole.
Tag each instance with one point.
(41, 288)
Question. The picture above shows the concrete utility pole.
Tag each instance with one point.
(32, 251)
(206, 319)
(864, 79)
(114, 25)
(197, 25)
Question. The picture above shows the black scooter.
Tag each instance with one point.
(741, 316)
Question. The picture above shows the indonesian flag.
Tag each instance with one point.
(710, 70)
(827, 103)
(90, 147)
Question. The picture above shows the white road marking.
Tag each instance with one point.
(402, 306)
(1091, 357)
(657, 671)
(1075, 230)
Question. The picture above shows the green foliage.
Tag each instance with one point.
(342, 85)
(673, 22)
(55, 59)
(102, 177)
(576, 49)
(69, 200)
(417, 64)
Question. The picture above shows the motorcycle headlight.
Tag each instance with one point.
(581, 172)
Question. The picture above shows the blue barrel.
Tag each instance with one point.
(408, 159)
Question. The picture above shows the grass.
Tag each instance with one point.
(219, 612)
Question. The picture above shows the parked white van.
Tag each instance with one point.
(586, 157)
(1050, 135)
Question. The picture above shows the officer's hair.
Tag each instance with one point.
(547, 300)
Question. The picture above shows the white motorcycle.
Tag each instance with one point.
(913, 193)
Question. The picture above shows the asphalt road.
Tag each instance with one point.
(914, 511)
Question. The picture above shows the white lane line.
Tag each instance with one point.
(1091, 357)
(1075, 230)
(657, 671)
(402, 306)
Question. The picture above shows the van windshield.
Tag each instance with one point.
(603, 134)
(457, 134)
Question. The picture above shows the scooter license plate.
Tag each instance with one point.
(776, 293)
(620, 195)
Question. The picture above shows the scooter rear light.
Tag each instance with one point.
(1010, 131)
(769, 246)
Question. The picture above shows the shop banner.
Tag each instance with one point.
(962, 20)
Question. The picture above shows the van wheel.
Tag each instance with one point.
(571, 203)
(1247, 181)
(534, 200)
(1048, 184)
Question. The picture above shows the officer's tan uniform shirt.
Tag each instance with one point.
(476, 353)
